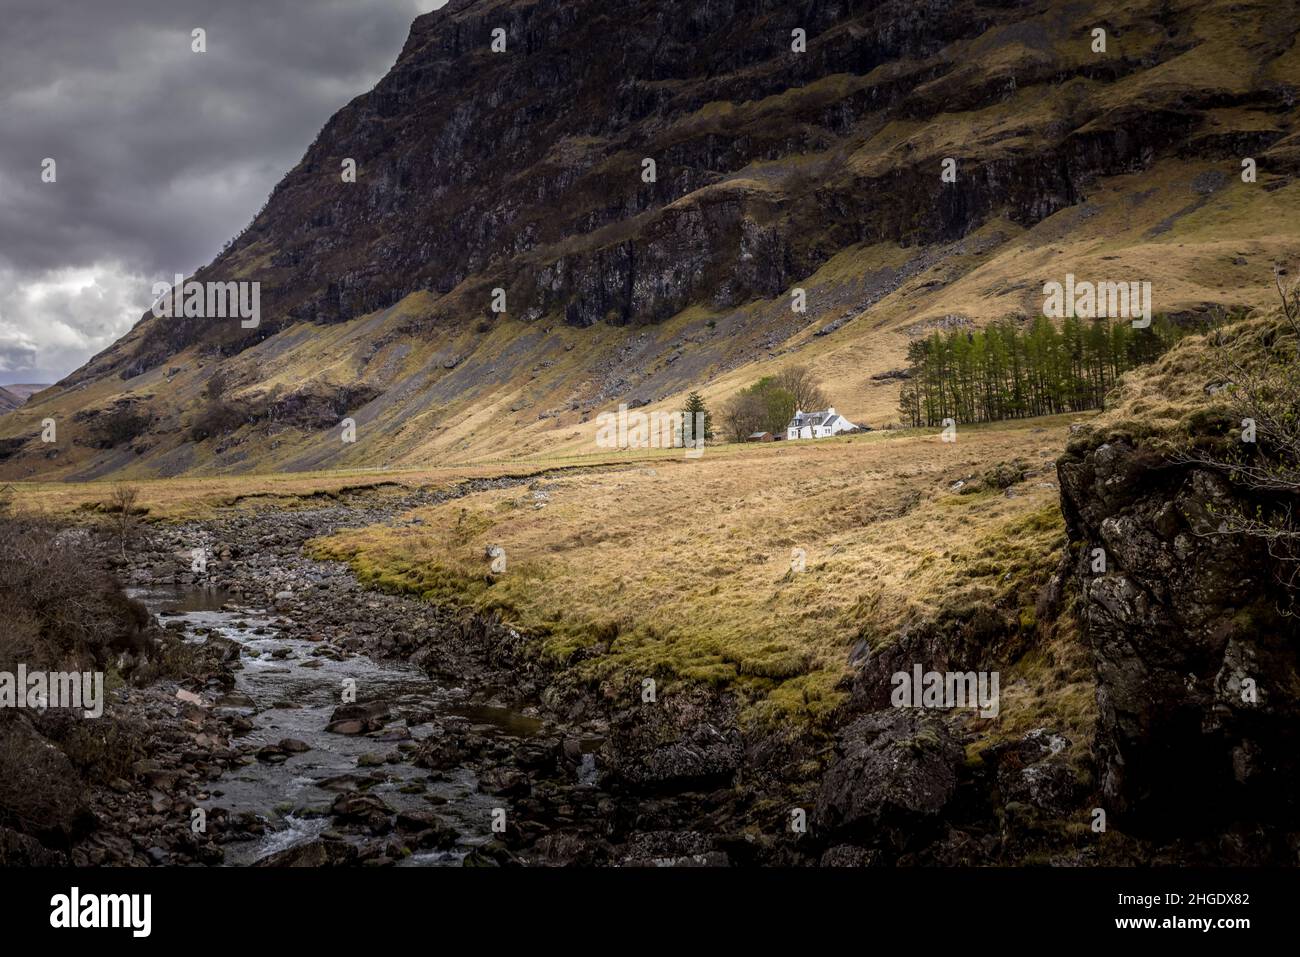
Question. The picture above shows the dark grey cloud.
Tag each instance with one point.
(163, 154)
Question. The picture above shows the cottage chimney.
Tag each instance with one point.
(830, 410)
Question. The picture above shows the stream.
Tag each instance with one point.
(288, 688)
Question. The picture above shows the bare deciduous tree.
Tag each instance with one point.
(122, 504)
(1290, 293)
(742, 415)
(801, 383)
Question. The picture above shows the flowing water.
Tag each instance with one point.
(289, 688)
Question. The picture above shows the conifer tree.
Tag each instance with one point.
(695, 406)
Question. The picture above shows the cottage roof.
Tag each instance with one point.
(805, 419)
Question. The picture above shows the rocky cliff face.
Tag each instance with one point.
(524, 170)
(1197, 665)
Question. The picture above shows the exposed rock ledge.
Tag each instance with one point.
(1176, 624)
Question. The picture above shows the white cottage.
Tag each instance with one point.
(817, 425)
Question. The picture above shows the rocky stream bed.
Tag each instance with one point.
(329, 723)
(340, 725)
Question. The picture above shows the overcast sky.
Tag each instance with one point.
(162, 154)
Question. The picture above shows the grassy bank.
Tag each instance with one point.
(754, 568)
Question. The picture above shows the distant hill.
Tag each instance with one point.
(25, 391)
(12, 396)
(775, 170)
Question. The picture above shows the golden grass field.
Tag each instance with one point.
(646, 564)
(684, 570)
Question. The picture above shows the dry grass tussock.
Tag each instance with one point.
(688, 571)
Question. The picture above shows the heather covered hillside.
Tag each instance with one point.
(525, 171)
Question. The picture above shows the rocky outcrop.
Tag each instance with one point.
(43, 795)
(1196, 669)
(23, 850)
(687, 740)
(1035, 771)
(895, 773)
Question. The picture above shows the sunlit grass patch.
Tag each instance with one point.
(755, 570)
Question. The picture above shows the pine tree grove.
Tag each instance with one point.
(1011, 370)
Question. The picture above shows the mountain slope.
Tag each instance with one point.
(522, 171)
(25, 390)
